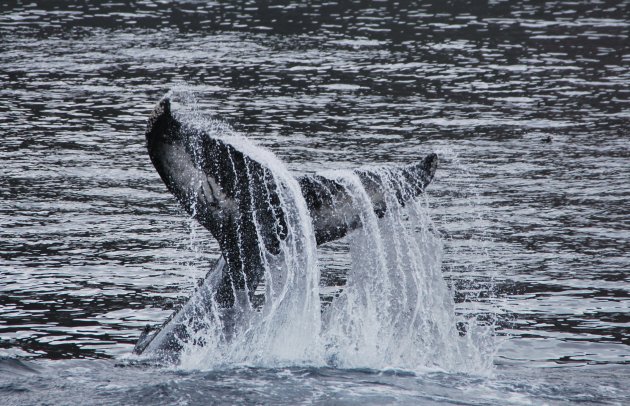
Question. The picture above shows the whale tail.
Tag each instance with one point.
(236, 197)
(334, 213)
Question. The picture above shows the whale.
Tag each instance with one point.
(236, 198)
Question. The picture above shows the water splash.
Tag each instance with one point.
(395, 310)
(469, 266)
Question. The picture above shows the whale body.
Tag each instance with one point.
(236, 198)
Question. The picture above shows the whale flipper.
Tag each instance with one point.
(236, 198)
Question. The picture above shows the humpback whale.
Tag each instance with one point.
(236, 197)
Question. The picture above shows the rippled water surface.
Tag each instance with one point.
(526, 103)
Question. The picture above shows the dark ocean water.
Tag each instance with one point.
(527, 104)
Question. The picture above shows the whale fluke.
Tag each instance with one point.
(332, 209)
(236, 198)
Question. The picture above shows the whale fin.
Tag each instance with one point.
(334, 213)
(236, 198)
(224, 189)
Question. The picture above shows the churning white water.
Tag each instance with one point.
(395, 310)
